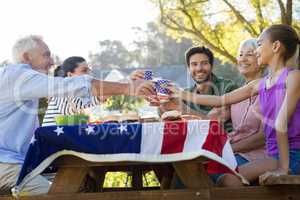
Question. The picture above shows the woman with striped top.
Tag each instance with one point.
(72, 66)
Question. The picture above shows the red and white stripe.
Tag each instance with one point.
(183, 137)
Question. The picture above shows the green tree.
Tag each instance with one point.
(112, 54)
(222, 24)
(124, 103)
(154, 47)
(43, 105)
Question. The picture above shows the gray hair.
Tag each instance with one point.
(23, 45)
(252, 42)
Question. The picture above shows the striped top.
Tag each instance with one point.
(65, 106)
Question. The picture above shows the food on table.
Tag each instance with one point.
(129, 117)
(191, 117)
(111, 118)
(171, 115)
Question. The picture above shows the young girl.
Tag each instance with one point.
(279, 98)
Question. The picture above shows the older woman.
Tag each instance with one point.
(247, 138)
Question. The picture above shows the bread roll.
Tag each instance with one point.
(129, 117)
(111, 119)
(171, 115)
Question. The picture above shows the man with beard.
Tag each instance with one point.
(200, 61)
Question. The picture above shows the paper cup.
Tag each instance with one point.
(148, 75)
(162, 92)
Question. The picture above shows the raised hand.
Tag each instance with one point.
(142, 88)
(137, 75)
(172, 104)
(153, 100)
(174, 90)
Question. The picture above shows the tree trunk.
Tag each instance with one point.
(289, 12)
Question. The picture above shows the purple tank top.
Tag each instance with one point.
(271, 100)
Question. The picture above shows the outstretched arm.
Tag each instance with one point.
(133, 88)
(31, 84)
(235, 96)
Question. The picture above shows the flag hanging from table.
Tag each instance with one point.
(147, 142)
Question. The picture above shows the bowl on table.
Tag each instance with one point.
(78, 119)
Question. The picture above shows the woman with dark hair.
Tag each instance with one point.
(72, 66)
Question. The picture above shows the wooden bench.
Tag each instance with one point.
(198, 186)
(283, 180)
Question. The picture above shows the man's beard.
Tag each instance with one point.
(202, 81)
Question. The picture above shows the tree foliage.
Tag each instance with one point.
(112, 54)
(151, 48)
(124, 179)
(155, 48)
(222, 24)
(123, 103)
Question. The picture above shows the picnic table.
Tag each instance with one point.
(138, 148)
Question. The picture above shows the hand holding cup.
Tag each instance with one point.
(141, 74)
(161, 90)
(174, 90)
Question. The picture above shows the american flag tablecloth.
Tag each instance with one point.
(147, 142)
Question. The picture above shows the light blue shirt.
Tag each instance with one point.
(20, 89)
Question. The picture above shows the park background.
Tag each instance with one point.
(117, 37)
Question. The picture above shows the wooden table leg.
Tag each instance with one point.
(137, 178)
(98, 173)
(192, 174)
(68, 180)
(164, 175)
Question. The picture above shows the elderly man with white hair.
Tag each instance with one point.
(21, 86)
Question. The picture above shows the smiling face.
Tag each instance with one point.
(40, 58)
(81, 69)
(264, 51)
(200, 68)
(247, 61)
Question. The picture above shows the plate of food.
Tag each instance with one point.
(113, 118)
(175, 115)
(121, 118)
(129, 118)
(172, 115)
(191, 117)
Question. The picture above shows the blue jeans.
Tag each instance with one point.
(294, 161)
(240, 161)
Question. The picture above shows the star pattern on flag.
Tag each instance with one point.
(90, 130)
(122, 128)
(138, 140)
(59, 130)
(33, 140)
